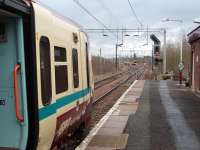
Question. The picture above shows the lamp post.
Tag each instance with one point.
(116, 57)
(165, 51)
(181, 66)
(181, 45)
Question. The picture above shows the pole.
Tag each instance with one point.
(181, 55)
(147, 34)
(100, 52)
(116, 46)
(180, 77)
(100, 60)
(181, 48)
(181, 52)
(152, 58)
(164, 53)
(116, 62)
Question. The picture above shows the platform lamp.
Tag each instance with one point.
(126, 35)
(181, 46)
(104, 34)
(197, 21)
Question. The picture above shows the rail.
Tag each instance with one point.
(96, 84)
(138, 74)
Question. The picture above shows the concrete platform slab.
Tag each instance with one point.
(99, 148)
(116, 142)
(108, 133)
(123, 112)
(118, 118)
(114, 124)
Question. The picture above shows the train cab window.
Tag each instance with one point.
(60, 54)
(75, 67)
(87, 65)
(61, 70)
(45, 70)
(2, 33)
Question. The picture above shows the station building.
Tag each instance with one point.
(194, 40)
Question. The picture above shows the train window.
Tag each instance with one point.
(45, 70)
(87, 65)
(60, 54)
(2, 33)
(61, 70)
(75, 67)
(61, 74)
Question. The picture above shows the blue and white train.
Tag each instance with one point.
(46, 82)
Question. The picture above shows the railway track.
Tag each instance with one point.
(107, 80)
(136, 74)
(103, 103)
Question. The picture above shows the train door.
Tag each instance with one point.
(47, 105)
(13, 99)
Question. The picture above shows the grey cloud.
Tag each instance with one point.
(117, 13)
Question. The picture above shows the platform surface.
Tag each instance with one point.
(161, 115)
(109, 134)
(168, 118)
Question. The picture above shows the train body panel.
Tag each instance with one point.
(67, 104)
(13, 107)
(58, 72)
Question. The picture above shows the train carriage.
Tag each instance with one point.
(46, 80)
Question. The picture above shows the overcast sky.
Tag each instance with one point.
(117, 14)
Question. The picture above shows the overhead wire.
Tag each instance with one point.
(90, 14)
(134, 13)
(108, 10)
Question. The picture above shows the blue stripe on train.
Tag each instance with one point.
(51, 109)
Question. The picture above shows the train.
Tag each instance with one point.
(46, 80)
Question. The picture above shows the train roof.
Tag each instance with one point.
(24, 7)
(17, 5)
(58, 15)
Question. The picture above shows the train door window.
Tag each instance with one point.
(75, 67)
(61, 79)
(60, 54)
(2, 33)
(61, 70)
(45, 70)
(87, 65)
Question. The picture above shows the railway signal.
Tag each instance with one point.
(156, 58)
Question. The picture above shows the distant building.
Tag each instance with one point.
(194, 40)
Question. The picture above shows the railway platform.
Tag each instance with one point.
(150, 115)
(168, 118)
(109, 132)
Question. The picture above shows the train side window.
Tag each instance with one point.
(61, 77)
(3, 37)
(45, 70)
(61, 70)
(87, 65)
(60, 54)
(75, 67)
